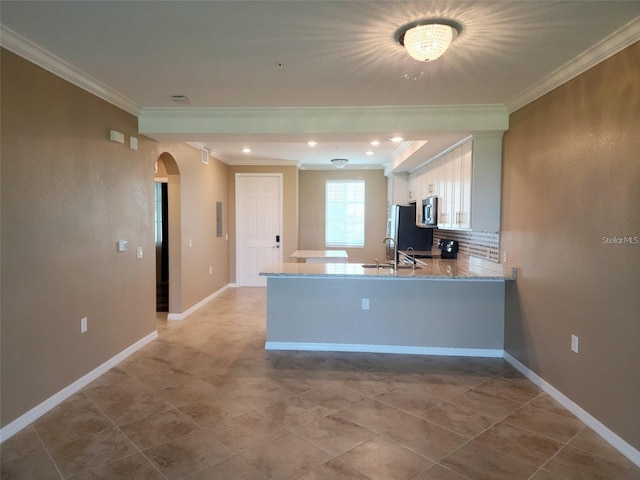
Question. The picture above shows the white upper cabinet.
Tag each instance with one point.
(398, 189)
(461, 196)
(467, 181)
(445, 191)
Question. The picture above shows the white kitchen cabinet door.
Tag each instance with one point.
(461, 196)
(464, 215)
(445, 191)
(412, 187)
(432, 179)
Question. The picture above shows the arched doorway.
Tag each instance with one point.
(167, 234)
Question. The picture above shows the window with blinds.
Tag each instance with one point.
(344, 213)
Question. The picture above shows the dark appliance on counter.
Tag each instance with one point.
(448, 248)
(402, 228)
(430, 212)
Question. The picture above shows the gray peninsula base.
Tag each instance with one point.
(414, 315)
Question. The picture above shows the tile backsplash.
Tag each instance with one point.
(478, 244)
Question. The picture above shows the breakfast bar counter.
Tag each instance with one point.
(463, 268)
(321, 256)
(445, 307)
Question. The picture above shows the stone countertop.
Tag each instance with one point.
(319, 254)
(463, 268)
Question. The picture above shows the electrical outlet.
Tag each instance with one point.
(139, 252)
(504, 256)
(83, 324)
(574, 343)
(365, 304)
(210, 270)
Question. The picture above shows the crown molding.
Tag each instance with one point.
(34, 53)
(614, 43)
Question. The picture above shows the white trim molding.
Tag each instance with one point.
(588, 419)
(614, 43)
(24, 47)
(197, 306)
(400, 349)
(36, 412)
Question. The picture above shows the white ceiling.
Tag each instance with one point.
(342, 80)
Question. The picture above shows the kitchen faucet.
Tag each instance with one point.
(413, 256)
(395, 251)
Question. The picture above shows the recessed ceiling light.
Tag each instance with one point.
(375, 143)
(311, 143)
(246, 150)
(370, 152)
(396, 139)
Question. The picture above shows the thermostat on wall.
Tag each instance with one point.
(122, 245)
(116, 136)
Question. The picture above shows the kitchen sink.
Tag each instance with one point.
(384, 265)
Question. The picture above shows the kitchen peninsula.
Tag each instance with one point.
(443, 307)
(321, 256)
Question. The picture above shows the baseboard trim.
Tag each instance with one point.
(593, 423)
(197, 306)
(36, 412)
(367, 348)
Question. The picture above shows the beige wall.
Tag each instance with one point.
(571, 176)
(289, 207)
(199, 187)
(312, 203)
(68, 195)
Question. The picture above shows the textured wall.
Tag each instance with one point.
(68, 195)
(571, 181)
(199, 187)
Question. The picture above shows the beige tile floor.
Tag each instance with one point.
(206, 401)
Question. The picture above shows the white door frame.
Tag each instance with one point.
(239, 219)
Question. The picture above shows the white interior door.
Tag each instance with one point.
(258, 226)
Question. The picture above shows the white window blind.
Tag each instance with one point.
(344, 213)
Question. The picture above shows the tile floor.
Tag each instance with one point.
(206, 401)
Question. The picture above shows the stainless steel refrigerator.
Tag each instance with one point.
(401, 226)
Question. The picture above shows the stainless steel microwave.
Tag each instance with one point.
(430, 212)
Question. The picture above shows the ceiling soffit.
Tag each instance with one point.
(324, 120)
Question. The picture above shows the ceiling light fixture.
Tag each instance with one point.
(312, 143)
(396, 139)
(427, 40)
(339, 162)
(246, 150)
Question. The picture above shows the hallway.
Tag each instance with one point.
(206, 401)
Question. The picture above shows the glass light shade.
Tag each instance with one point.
(339, 162)
(428, 42)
